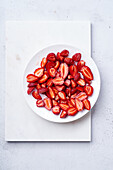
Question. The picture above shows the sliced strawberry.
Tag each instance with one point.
(88, 90)
(58, 81)
(43, 85)
(47, 94)
(81, 82)
(62, 95)
(48, 103)
(55, 103)
(43, 62)
(52, 72)
(86, 71)
(87, 81)
(51, 92)
(57, 64)
(86, 103)
(59, 57)
(72, 101)
(55, 90)
(70, 76)
(68, 61)
(51, 57)
(73, 90)
(80, 89)
(56, 110)
(68, 91)
(39, 72)
(64, 53)
(31, 78)
(69, 103)
(32, 84)
(63, 114)
(30, 89)
(43, 78)
(63, 101)
(80, 64)
(50, 82)
(63, 70)
(67, 82)
(79, 105)
(64, 106)
(72, 111)
(38, 86)
(77, 76)
(81, 96)
(49, 65)
(76, 57)
(36, 95)
(74, 95)
(42, 90)
(73, 70)
(73, 84)
(60, 88)
(39, 103)
(57, 98)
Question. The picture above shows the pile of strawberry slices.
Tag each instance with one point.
(65, 82)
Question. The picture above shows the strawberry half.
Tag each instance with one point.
(51, 92)
(62, 95)
(31, 78)
(56, 110)
(40, 103)
(51, 57)
(64, 53)
(79, 105)
(81, 82)
(63, 70)
(63, 114)
(73, 70)
(52, 72)
(88, 90)
(58, 81)
(43, 78)
(86, 103)
(76, 57)
(64, 106)
(39, 72)
(72, 111)
(30, 89)
(36, 95)
(43, 62)
(48, 103)
(86, 71)
(81, 96)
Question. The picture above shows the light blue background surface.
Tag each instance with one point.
(97, 154)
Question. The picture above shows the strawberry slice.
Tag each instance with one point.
(55, 90)
(80, 89)
(68, 91)
(57, 64)
(80, 64)
(51, 57)
(68, 61)
(42, 90)
(48, 103)
(86, 71)
(64, 106)
(60, 88)
(72, 101)
(43, 62)
(58, 81)
(81, 82)
(52, 72)
(63, 70)
(39, 103)
(70, 76)
(43, 78)
(74, 95)
(67, 82)
(59, 57)
(63, 101)
(73, 70)
(87, 81)
(38, 86)
(72, 111)
(73, 84)
(64, 53)
(77, 76)
(51, 92)
(57, 98)
(49, 65)
(30, 89)
(43, 85)
(88, 90)
(86, 103)
(62, 95)
(69, 103)
(79, 105)
(50, 82)
(39, 72)
(81, 96)
(73, 90)
(31, 78)
(56, 110)
(32, 84)
(76, 57)
(36, 95)
(63, 114)
(47, 94)
(55, 103)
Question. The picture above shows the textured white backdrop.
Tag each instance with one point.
(64, 156)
